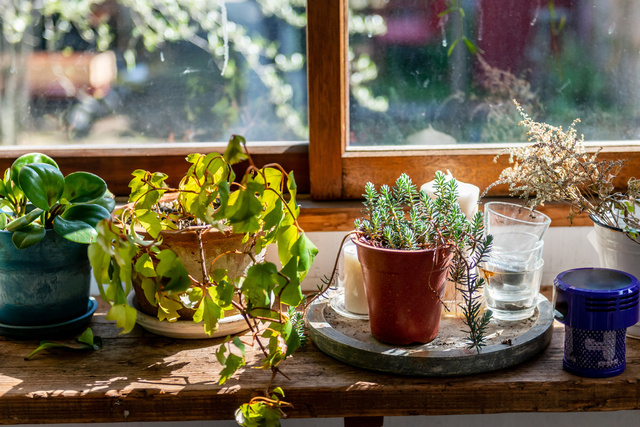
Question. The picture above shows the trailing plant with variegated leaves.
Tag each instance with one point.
(262, 206)
(35, 196)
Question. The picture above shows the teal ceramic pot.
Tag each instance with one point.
(45, 284)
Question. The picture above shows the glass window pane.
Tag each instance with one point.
(446, 71)
(157, 71)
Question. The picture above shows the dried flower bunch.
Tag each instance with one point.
(555, 167)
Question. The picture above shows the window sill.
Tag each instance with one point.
(339, 215)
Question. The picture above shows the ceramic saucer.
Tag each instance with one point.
(186, 329)
(59, 330)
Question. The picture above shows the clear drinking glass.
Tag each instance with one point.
(511, 295)
(513, 268)
(514, 225)
(510, 255)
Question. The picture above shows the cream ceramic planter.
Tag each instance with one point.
(619, 252)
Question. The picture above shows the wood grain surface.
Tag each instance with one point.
(142, 377)
(339, 215)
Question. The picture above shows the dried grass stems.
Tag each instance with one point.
(555, 167)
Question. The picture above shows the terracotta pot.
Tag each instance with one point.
(404, 291)
(185, 244)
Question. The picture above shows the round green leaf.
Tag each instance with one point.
(28, 236)
(107, 201)
(23, 221)
(83, 187)
(90, 213)
(78, 222)
(26, 159)
(4, 192)
(76, 231)
(42, 183)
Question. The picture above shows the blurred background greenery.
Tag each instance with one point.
(422, 72)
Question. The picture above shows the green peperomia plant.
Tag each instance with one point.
(36, 196)
(260, 206)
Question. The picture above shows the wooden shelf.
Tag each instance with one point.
(142, 377)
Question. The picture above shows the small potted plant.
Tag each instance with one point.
(47, 221)
(231, 221)
(408, 244)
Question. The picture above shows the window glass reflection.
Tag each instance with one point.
(446, 71)
(152, 71)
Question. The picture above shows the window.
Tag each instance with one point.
(591, 76)
(335, 165)
(445, 72)
(114, 88)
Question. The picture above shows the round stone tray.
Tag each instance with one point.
(508, 343)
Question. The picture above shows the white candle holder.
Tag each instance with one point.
(350, 300)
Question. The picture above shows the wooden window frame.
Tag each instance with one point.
(338, 172)
(116, 163)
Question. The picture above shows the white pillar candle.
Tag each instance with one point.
(468, 195)
(355, 299)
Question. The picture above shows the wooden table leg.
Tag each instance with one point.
(363, 421)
